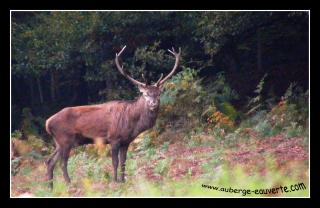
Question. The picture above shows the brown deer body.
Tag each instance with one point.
(116, 122)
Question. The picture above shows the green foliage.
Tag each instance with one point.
(152, 55)
(233, 138)
(78, 48)
(30, 124)
(186, 101)
(162, 166)
(27, 124)
(297, 103)
(229, 110)
(193, 142)
(60, 189)
(293, 130)
(16, 134)
(220, 91)
(50, 38)
(218, 110)
(146, 143)
(210, 166)
(209, 110)
(15, 163)
(34, 155)
(131, 167)
(151, 153)
(179, 84)
(91, 167)
(264, 128)
(165, 146)
(256, 103)
(288, 116)
(255, 118)
(182, 98)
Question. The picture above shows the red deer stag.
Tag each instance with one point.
(116, 123)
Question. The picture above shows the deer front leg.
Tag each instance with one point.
(123, 156)
(115, 159)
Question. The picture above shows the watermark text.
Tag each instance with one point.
(266, 191)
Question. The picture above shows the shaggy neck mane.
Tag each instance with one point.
(139, 105)
(142, 113)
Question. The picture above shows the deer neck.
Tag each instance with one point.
(141, 106)
(146, 116)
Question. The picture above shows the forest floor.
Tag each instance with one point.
(177, 168)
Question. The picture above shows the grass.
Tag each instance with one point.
(162, 166)
(262, 153)
(171, 170)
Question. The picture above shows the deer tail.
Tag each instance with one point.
(47, 125)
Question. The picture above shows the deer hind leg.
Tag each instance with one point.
(65, 152)
(52, 160)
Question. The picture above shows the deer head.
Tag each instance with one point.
(151, 93)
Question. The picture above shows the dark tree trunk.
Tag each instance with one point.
(232, 63)
(31, 91)
(230, 56)
(52, 86)
(40, 89)
(56, 86)
(81, 88)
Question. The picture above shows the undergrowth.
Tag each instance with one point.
(197, 140)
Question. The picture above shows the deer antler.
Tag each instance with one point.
(157, 83)
(177, 56)
(120, 68)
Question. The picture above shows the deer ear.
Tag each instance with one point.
(142, 89)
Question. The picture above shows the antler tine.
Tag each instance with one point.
(173, 52)
(157, 83)
(120, 68)
(144, 79)
(118, 54)
(177, 56)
